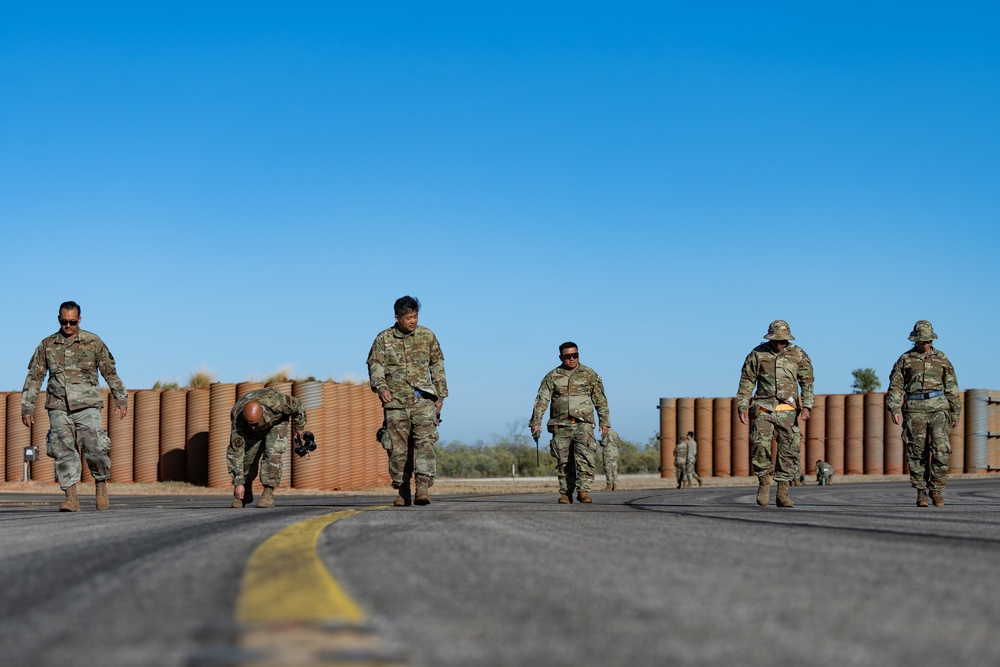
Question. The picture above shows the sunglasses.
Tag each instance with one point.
(575, 355)
(72, 323)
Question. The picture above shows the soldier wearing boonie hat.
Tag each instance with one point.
(777, 370)
(923, 397)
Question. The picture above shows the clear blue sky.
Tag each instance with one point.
(241, 186)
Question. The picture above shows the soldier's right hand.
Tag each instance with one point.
(238, 492)
(28, 420)
(744, 417)
(385, 396)
(535, 430)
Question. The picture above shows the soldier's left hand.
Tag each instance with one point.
(805, 414)
(604, 430)
(121, 411)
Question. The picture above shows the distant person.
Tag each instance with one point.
(777, 369)
(824, 473)
(264, 422)
(692, 474)
(406, 370)
(72, 358)
(681, 463)
(923, 396)
(575, 391)
(610, 444)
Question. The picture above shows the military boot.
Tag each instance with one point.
(763, 488)
(921, 498)
(266, 501)
(564, 498)
(782, 499)
(422, 497)
(609, 487)
(236, 504)
(72, 503)
(937, 498)
(403, 499)
(102, 495)
(583, 496)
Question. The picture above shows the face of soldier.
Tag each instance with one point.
(407, 323)
(69, 322)
(779, 345)
(570, 358)
(923, 346)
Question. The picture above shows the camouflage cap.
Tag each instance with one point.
(922, 330)
(779, 330)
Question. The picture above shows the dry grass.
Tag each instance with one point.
(201, 379)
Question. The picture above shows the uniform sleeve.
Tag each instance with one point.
(806, 380)
(437, 369)
(951, 391)
(234, 455)
(376, 366)
(541, 401)
(894, 394)
(600, 400)
(292, 407)
(748, 380)
(37, 368)
(106, 364)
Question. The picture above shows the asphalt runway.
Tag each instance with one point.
(855, 574)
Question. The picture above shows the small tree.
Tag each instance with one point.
(865, 381)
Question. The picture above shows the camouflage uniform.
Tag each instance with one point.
(775, 407)
(74, 402)
(250, 449)
(924, 389)
(681, 463)
(691, 473)
(610, 444)
(824, 473)
(411, 367)
(574, 395)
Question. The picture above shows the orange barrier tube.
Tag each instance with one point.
(874, 433)
(18, 436)
(244, 388)
(739, 434)
(815, 449)
(44, 467)
(957, 439)
(147, 435)
(835, 432)
(3, 436)
(307, 472)
(286, 457)
(196, 425)
(685, 419)
(703, 421)
(173, 423)
(222, 398)
(854, 434)
(892, 446)
(668, 431)
(122, 434)
(722, 445)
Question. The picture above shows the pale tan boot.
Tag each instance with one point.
(937, 498)
(266, 501)
(921, 498)
(609, 487)
(782, 499)
(236, 504)
(72, 503)
(422, 496)
(583, 496)
(102, 495)
(564, 498)
(763, 488)
(403, 499)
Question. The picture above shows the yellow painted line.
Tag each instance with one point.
(286, 582)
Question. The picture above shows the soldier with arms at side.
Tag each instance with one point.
(406, 370)
(574, 391)
(263, 423)
(777, 370)
(72, 358)
(610, 444)
(923, 396)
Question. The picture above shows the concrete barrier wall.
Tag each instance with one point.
(852, 432)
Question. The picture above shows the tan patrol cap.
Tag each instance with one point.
(922, 330)
(779, 330)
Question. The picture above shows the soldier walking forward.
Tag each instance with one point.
(575, 391)
(923, 396)
(406, 370)
(72, 358)
(263, 423)
(777, 369)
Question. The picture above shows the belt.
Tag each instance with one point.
(921, 397)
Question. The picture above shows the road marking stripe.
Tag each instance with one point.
(286, 582)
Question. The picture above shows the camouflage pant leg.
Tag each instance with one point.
(780, 424)
(689, 470)
(925, 436)
(73, 433)
(681, 471)
(268, 458)
(578, 438)
(611, 464)
(413, 434)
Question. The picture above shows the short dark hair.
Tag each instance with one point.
(567, 344)
(690, 434)
(406, 304)
(70, 305)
